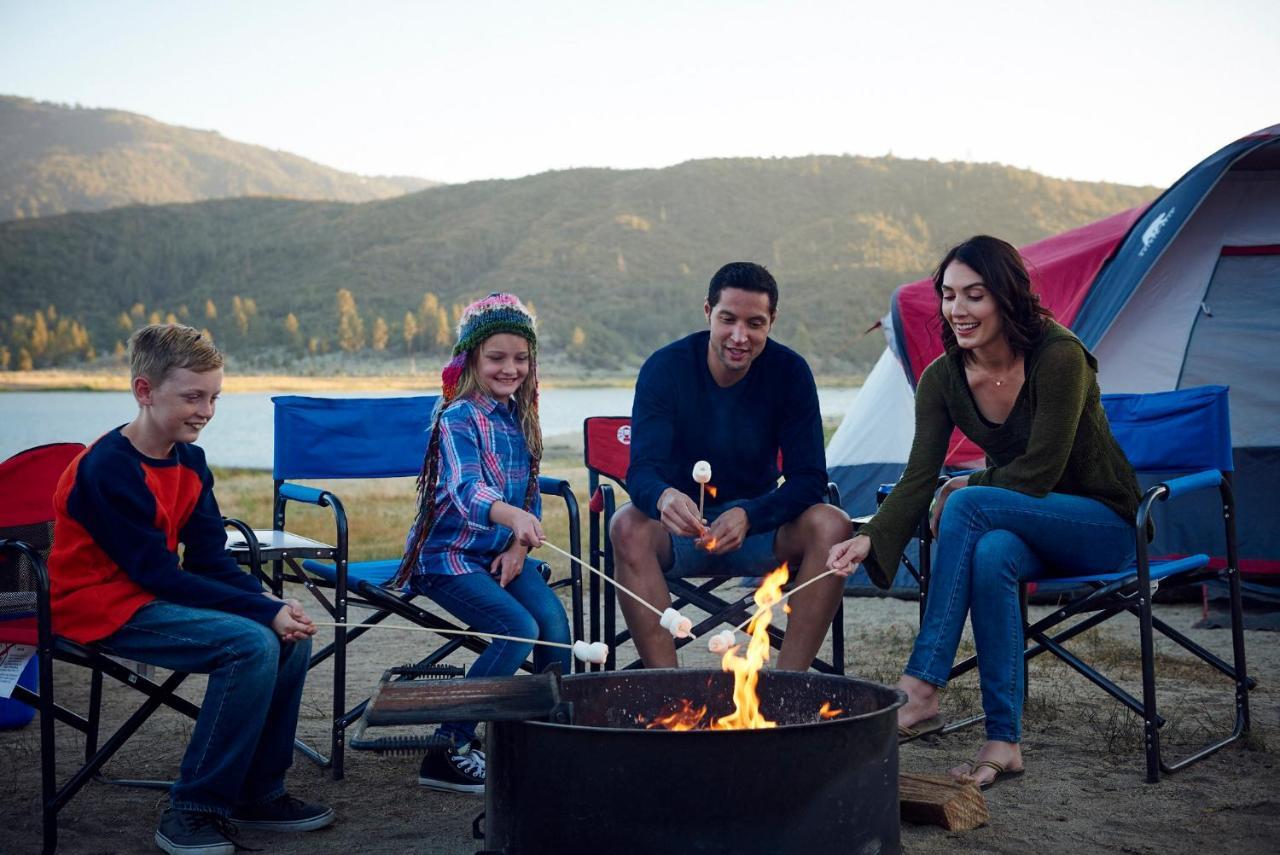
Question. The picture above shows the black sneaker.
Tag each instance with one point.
(455, 770)
(283, 813)
(189, 832)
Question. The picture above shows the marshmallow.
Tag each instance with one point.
(702, 472)
(722, 641)
(594, 653)
(675, 623)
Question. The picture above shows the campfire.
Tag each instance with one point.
(746, 715)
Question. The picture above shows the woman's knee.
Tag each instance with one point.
(997, 557)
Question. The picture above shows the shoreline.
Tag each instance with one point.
(59, 380)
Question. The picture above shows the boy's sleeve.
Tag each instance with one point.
(652, 436)
(804, 461)
(461, 474)
(117, 510)
(204, 539)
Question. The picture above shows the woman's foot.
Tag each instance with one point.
(922, 701)
(994, 759)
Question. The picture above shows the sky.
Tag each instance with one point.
(1134, 92)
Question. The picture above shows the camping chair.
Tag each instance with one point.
(345, 438)
(607, 453)
(1185, 434)
(27, 482)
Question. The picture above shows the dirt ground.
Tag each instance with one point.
(1084, 790)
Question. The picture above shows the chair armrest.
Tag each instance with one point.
(1175, 487)
(251, 543)
(309, 495)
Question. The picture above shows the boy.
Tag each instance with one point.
(122, 507)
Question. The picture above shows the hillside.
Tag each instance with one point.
(55, 159)
(615, 261)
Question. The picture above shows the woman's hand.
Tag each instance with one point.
(525, 527)
(935, 510)
(845, 557)
(507, 564)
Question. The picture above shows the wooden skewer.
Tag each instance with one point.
(785, 596)
(702, 493)
(608, 579)
(466, 632)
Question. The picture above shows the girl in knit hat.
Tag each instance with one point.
(478, 509)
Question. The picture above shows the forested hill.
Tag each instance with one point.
(55, 159)
(615, 261)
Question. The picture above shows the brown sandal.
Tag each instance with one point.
(999, 768)
(928, 727)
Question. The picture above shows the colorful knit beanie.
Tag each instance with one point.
(495, 314)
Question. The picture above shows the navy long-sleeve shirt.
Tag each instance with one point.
(681, 415)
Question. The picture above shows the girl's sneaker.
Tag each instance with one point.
(454, 770)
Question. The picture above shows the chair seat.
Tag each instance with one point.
(374, 572)
(19, 630)
(1159, 570)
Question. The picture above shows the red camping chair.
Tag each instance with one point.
(27, 483)
(607, 453)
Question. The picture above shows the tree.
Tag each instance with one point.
(410, 332)
(350, 324)
(293, 332)
(210, 310)
(380, 334)
(240, 313)
(24, 360)
(4, 358)
(39, 335)
(442, 341)
(124, 322)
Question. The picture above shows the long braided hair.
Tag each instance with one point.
(497, 313)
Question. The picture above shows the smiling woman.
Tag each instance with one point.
(1024, 389)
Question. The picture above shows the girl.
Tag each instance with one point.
(1057, 490)
(478, 508)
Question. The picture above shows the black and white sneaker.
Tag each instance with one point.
(283, 813)
(454, 770)
(189, 832)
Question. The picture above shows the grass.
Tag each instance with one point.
(379, 512)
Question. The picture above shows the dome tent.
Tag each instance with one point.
(1182, 293)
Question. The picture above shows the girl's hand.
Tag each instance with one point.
(526, 529)
(507, 564)
(935, 510)
(845, 557)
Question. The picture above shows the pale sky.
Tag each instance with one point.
(1136, 92)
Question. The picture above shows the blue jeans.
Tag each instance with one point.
(242, 743)
(989, 540)
(526, 608)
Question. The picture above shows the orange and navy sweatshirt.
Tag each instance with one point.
(118, 519)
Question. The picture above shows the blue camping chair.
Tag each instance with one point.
(1182, 440)
(344, 438)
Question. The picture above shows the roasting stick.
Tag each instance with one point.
(672, 621)
(581, 649)
(786, 596)
(702, 474)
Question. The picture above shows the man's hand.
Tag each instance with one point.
(679, 514)
(727, 533)
(508, 564)
(291, 622)
(845, 557)
(935, 510)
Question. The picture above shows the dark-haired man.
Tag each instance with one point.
(733, 397)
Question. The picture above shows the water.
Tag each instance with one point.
(240, 435)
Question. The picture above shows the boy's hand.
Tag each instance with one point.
(289, 627)
(508, 564)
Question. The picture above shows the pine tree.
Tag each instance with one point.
(380, 334)
(350, 324)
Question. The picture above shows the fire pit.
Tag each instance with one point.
(610, 783)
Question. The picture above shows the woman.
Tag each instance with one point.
(1057, 490)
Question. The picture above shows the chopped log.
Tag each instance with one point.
(941, 800)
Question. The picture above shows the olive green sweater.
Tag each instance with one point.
(1055, 440)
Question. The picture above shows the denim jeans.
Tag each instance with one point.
(990, 539)
(242, 743)
(526, 608)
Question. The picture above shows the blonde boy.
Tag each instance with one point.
(116, 580)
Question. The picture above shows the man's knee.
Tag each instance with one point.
(819, 527)
(633, 535)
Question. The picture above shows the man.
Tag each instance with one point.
(730, 396)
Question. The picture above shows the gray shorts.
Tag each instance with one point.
(754, 558)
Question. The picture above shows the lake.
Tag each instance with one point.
(240, 435)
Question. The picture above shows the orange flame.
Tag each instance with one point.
(709, 544)
(746, 713)
(712, 490)
(827, 712)
(684, 717)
